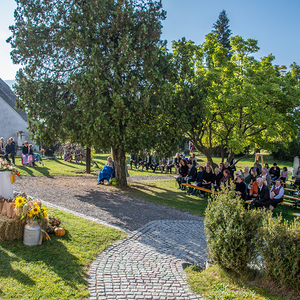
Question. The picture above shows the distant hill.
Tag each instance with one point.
(10, 83)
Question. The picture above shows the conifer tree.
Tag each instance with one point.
(221, 28)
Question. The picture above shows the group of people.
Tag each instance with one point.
(9, 152)
(253, 184)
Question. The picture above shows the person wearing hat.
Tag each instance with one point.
(191, 175)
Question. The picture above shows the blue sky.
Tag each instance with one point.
(275, 24)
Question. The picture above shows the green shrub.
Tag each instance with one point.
(279, 244)
(231, 231)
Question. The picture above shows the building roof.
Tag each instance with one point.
(9, 97)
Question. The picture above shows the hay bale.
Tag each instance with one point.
(11, 229)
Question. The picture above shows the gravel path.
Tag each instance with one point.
(81, 194)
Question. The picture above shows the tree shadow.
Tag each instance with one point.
(53, 253)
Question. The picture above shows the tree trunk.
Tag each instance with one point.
(88, 160)
(120, 167)
(207, 155)
(222, 154)
(230, 156)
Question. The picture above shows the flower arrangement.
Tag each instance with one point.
(54, 221)
(30, 209)
(4, 166)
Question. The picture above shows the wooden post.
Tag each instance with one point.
(88, 160)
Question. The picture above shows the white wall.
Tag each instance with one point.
(11, 123)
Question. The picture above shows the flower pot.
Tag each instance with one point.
(6, 187)
(32, 233)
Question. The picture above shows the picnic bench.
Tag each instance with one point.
(16, 156)
(199, 188)
(296, 215)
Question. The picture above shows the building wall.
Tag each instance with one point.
(11, 123)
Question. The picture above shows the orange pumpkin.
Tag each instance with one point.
(59, 231)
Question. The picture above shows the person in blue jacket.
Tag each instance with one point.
(10, 151)
(107, 172)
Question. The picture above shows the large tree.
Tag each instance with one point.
(221, 28)
(93, 72)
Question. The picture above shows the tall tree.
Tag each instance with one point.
(92, 72)
(221, 28)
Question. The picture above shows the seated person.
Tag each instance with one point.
(163, 164)
(141, 160)
(227, 178)
(247, 175)
(176, 162)
(227, 166)
(267, 175)
(24, 156)
(274, 172)
(155, 161)
(198, 180)
(183, 170)
(241, 187)
(191, 175)
(2, 146)
(78, 156)
(170, 165)
(31, 158)
(276, 194)
(147, 162)
(10, 151)
(253, 178)
(68, 157)
(253, 193)
(263, 197)
(38, 158)
(284, 176)
(257, 169)
(297, 181)
(193, 159)
(133, 160)
(217, 178)
(207, 165)
(221, 167)
(267, 167)
(259, 166)
(107, 172)
(207, 180)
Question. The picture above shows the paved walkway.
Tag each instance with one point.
(148, 263)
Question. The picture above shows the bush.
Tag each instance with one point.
(231, 231)
(279, 244)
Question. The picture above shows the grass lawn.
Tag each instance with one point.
(216, 284)
(58, 268)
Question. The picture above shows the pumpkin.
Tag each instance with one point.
(50, 229)
(59, 231)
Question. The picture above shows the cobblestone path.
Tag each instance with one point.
(148, 263)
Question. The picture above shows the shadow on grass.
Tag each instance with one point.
(52, 253)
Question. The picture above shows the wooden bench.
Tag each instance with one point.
(16, 156)
(199, 188)
(296, 215)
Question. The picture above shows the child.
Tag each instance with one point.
(31, 155)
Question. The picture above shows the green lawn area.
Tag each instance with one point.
(216, 284)
(57, 269)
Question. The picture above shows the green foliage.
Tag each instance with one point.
(231, 231)
(221, 28)
(279, 244)
(96, 68)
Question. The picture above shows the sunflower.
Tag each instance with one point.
(35, 203)
(35, 210)
(45, 214)
(29, 214)
(19, 201)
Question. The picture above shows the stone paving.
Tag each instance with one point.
(148, 263)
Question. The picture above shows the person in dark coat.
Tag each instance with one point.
(191, 175)
(274, 172)
(10, 151)
(183, 170)
(198, 180)
(263, 198)
(241, 187)
(133, 160)
(25, 150)
(217, 178)
(207, 180)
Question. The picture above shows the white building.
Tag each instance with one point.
(13, 122)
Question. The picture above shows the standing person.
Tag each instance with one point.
(263, 198)
(155, 161)
(276, 194)
(10, 151)
(24, 156)
(274, 172)
(241, 187)
(133, 160)
(2, 146)
(183, 170)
